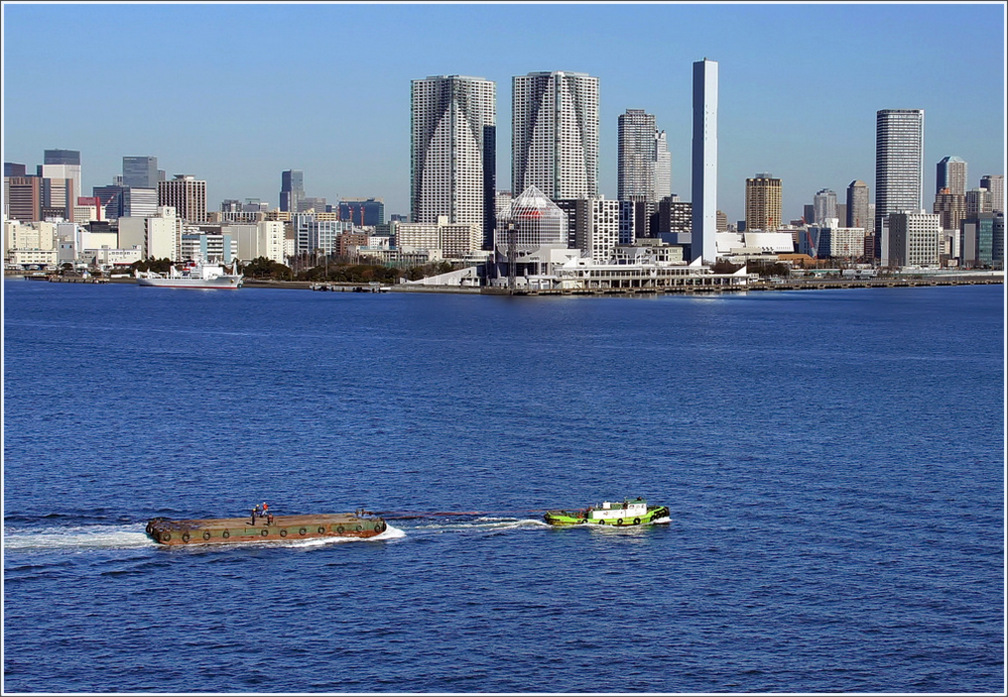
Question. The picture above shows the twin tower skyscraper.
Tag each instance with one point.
(554, 144)
(453, 145)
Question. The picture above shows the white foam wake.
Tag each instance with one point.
(482, 523)
(389, 533)
(77, 537)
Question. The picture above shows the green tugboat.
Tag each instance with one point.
(635, 512)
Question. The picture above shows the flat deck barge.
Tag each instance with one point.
(282, 528)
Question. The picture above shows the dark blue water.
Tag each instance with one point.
(833, 460)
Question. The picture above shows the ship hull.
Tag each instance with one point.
(286, 528)
(220, 283)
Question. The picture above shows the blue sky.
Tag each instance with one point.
(236, 93)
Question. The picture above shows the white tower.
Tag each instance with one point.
(704, 184)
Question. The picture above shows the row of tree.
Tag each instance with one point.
(331, 271)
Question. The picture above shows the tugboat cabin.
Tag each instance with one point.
(618, 512)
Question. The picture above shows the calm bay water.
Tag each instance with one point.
(833, 460)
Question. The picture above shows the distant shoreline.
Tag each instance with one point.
(896, 281)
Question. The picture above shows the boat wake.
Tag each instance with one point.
(389, 533)
(79, 537)
(479, 524)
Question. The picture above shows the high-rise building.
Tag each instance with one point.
(704, 181)
(644, 164)
(555, 134)
(951, 175)
(951, 208)
(976, 240)
(998, 241)
(140, 172)
(677, 216)
(722, 220)
(597, 225)
(858, 200)
(291, 190)
(914, 239)
(187, 195)
(763, 203)
(994, 183)
(62, 157)
(662, 168)
(317, 204)
(978, 201)
(362, 212)
(899, 163)
(453, 151)
(502, 203)
(824, 205)
(136, 202)
(23, 198)
(63, 164)
(110, 198)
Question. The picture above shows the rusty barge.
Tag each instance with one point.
(281, 528)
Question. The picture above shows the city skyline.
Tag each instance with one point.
(346, 121)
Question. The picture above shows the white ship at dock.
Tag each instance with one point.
(194, 274)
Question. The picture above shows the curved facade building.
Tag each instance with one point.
(453, 151)
(555, 134)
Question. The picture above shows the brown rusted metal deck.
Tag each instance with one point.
(283, 528)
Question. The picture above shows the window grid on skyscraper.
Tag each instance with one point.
(453, 150)
(554, 134)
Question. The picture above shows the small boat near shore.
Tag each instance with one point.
(194, 274)
(636, 512)
(281, 528)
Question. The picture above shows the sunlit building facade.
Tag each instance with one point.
(555, 134)
(453, 151)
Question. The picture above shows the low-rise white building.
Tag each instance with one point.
(569, 270)
(159, 237)
(85, 214)
(316, 233)
(207, 246)
(411, 237)
(30, 243)
(163, 235)
(264, 239)
(453, 240)
(830, 241)
(33, 257)
(108, 258)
